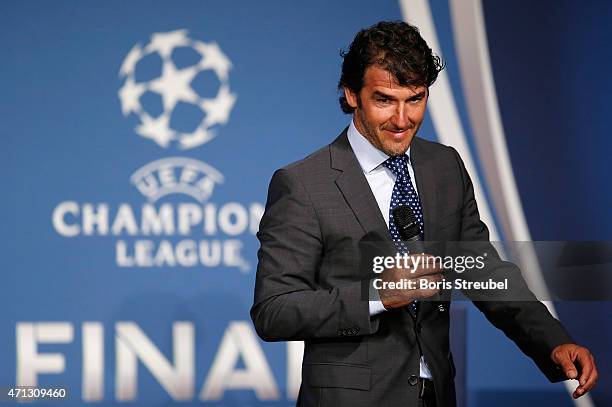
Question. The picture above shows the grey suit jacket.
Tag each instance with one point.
(309, 285)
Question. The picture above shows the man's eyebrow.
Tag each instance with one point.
(418, 95)
(383, 95)
(380, 94)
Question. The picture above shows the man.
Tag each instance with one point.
(387, 350)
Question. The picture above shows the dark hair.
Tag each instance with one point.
(394, 46)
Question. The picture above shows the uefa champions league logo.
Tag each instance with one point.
(179, 225)
(174, 85)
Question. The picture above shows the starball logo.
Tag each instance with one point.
(175, 85)
(179, 225)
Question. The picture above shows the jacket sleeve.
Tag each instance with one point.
(516, 312)
(289, 304)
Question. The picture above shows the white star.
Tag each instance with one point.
(129, 95)
(213, 58)
(157, 129)
(198, 137)
(164, 43)
(175, 85)
(130, 61)
(218, 109)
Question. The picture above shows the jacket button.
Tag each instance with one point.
(413, 380)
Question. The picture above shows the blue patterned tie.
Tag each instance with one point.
(403, 194)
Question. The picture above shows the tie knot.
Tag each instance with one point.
(398, 165)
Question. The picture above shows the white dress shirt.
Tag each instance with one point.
(381, 181)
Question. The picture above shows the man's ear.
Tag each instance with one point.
(351, 97)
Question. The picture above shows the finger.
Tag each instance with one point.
(584, 360)
(433, 265)
(428, 286)
(429, 281)
(590, 382)
(426, 271)
(432, 278)
(424, 264)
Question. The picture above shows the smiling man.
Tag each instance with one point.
(388, 349)
(386, 113)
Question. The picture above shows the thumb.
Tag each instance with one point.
(563, 359)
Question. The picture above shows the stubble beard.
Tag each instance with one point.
(374, 136)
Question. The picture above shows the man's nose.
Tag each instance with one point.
(400, 118)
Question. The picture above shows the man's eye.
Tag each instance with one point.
(382, 100)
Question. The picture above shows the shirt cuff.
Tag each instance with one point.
(375, 304)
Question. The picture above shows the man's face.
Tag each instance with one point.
(387, 114)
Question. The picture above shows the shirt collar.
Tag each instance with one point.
(368, 156)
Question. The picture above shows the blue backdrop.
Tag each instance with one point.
(139, 140)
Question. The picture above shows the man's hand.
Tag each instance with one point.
(577, 363)
(421, 271)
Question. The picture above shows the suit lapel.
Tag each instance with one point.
(355, 188)
(424, 172)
